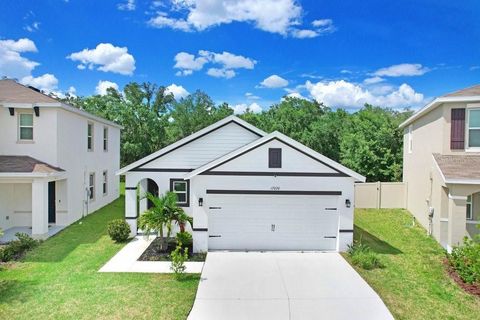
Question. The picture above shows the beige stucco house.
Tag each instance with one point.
(442, 165)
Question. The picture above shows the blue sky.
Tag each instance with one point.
(247, 52)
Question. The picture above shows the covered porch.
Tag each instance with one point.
(29, 191)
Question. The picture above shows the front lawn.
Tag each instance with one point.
(59, 280)
(413, 284)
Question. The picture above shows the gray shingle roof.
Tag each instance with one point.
(462, 167)
(25, 164)
(13, 92)
(467, 92)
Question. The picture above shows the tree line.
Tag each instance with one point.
(367, 141)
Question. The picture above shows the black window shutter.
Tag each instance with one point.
(274, 158)
(457, 130)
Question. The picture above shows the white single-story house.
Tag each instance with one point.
(249, 190)
(57, 162)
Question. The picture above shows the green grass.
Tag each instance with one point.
(413, 284)
(59, 280)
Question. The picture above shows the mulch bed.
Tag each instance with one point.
(153, 252)
(473, 289)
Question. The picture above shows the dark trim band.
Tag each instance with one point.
(267, 141)
(266, 173)
(161, 170)
(345, 230)
(131, 218)
(200, 229)
(277, 192)
(330, 237)
(200, 136)
(130, 188)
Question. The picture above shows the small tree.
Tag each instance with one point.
(160, 216)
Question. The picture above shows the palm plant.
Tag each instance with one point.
(160, 216)
(181, 218)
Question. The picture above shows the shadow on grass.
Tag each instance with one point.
(377, 245)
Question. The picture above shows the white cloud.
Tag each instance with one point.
(221, 73)
(72, 91)
(321, 23)
(321, 26)
(242, 108)
(47, 82)
(224, 62)
(35, 26)
(107, 58)
(274, 81)
(295, 95)
(128, 5)
(12, 63)
(345, 71)
(251, 96)
(275, 16)
(402, 70)
(102, 87)
(178, 92)
(349, 95)
(373, 80)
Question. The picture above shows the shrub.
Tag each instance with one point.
(364, 257)
(178, 260)
(118, 230)
(465, 259)
(16, 248)
(184, 239)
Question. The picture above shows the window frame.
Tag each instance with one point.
(91, 187)
(91, 137)
(105, 139)
(469, 207)
(187, 191)
(20, 126)
(105, 182)
(470, 107)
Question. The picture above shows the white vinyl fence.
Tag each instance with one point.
(381, 195)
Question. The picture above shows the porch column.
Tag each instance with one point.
(39, 208)
(457, 220)
(143, 188)
(131, 208)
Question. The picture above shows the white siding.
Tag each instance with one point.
(205, 149)
(292, 161)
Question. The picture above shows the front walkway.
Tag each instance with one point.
(126, 260)
(9, 234)
(284, 285)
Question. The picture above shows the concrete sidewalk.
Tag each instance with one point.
(283, 285)
(126, 260)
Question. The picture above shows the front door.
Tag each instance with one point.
(51, 202)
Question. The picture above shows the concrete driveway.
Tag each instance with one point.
(283, 285)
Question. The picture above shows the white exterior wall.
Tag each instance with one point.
(60, 139)
(205, 149)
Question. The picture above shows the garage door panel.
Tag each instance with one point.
(273, 222)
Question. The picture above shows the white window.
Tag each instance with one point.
(105, 180)
(90, 136)
(473, 128)
(25, 126)
(469, 208)
(180, 187)
(105, 139)
(91, 186)
(410, 138)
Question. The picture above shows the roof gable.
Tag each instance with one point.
(325, 166)
(166, 158)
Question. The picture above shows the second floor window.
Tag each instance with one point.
(25, 126)
(90, 137)
(105, 139)
(474, 128)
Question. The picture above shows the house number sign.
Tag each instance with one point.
(275, 188)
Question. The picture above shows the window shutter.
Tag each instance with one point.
(457, 130)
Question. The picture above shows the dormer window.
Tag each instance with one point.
(25, 126)
(473, 128)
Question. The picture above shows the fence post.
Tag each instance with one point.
(379, 200)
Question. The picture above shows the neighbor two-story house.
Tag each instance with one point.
(442, 165)
(57, 162)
